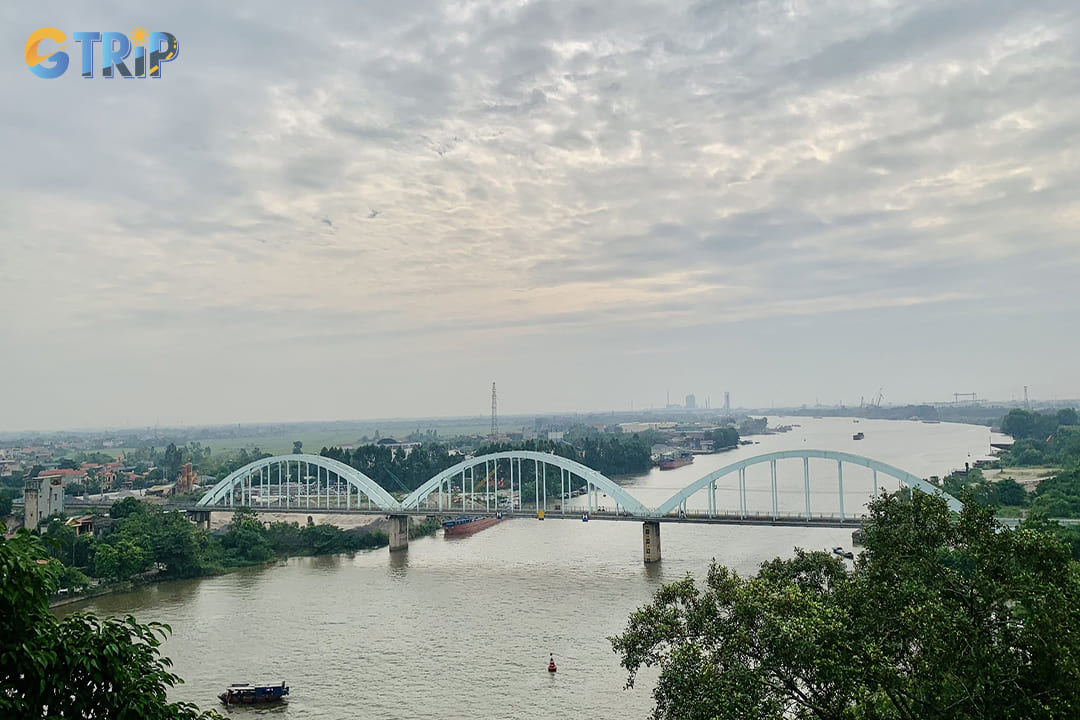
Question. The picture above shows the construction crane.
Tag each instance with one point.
(876, 402)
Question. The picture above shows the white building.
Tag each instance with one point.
(44, 496)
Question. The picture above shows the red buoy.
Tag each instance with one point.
(551, 664)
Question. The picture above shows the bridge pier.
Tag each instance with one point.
(398, 532)
(201, 518)
(650, 540)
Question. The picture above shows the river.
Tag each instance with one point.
(462, 628)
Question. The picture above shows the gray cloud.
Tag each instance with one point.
(618, 199)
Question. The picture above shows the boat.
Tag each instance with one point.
(847, 554)
(672, 460)
(463, 526)
(247, 694)
(551, 665)
(858, 436)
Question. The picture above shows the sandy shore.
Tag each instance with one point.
(1029, 477)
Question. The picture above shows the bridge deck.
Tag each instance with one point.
(829, 521)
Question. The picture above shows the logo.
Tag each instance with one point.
(46, 58)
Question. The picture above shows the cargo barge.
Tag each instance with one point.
(463, 526)
(670, 461)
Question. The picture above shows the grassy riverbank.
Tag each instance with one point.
(246, 543)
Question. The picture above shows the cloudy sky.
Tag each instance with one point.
(335, 210)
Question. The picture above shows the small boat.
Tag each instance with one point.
(846, 554)
(551, 664)
(247, 694)
(858, 436)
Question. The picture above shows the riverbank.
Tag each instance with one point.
(416, 531)
(1029, 477)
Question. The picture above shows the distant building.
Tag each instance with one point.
(44, 496)
(691, 402)
(727, 401)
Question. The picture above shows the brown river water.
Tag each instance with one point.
(462, 628)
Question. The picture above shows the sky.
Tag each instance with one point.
(337, 210)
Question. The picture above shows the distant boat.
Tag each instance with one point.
(672, 460)
(462, 526)
(858, 436)
(245, 694)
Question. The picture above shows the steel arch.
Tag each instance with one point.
(903, 476)
(354, 477)
(621, 496)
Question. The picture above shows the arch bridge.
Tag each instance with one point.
(528, 483)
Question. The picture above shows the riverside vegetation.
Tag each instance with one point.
(149, 542)
(943, 616)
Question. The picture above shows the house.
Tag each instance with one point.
(42, 496)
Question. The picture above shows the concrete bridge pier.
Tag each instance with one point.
(650, 540)
(201, 518)
(398, 532)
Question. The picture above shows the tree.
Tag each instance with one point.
(106, 562)
(80, 666)
(297, 447)
(943, 616)
(172, 461)
(124, 508)
(247, 538)
(5, 504)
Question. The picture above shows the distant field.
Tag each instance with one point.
(314, 441)
(279, 440)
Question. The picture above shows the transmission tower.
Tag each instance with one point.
(494, 414)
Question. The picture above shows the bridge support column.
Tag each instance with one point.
(399, 532)
(650, 540)
(201, 518)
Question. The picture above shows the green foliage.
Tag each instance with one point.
(5, 504)
(106, 563)
(171, 462)
(724, 437)
(753, 426)
(394, 469)
(1043, 438)
(1008, 492)
(127, 506)
(81, 666)
(942, 616)
(73, 578)
(246, 539)
(1058, 496)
